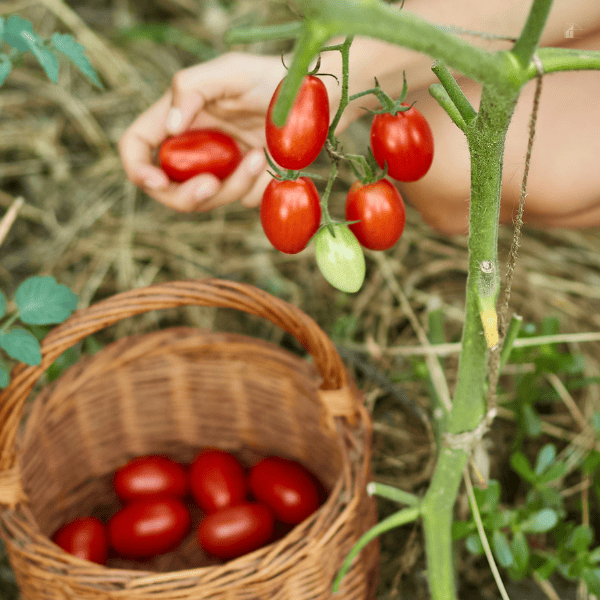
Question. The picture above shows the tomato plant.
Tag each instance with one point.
(290, 213)
(198, 151)
(150, 475)
(86, 537)
(379, 208)
(217, 480)
(286, 487)
(404, 141)
(299, 141)
(236, 530)
(340, 258)
(149, 526)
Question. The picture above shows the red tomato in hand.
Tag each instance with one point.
(150, 476)
(380, 209)
(299, 141)
(149, 526)
(286, 487)
(86, 538)
(217, 480)
(290, 213)
(198, 151)
(236, 530)
(405, 142)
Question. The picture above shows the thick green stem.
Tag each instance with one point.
(530, 36)
(437, 513)
(486, 139)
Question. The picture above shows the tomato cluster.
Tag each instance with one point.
(290, 212)
(242, 510)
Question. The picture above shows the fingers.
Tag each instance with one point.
(205, 192)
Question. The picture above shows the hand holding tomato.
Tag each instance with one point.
(230, 93)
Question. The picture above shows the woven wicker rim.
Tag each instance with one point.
(335, 394)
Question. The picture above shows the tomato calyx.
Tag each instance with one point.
(389, 105)
(280, 174)
(368, 167)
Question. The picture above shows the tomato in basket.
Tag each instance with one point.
(217, 480)
(86, 537)
(236, 530)
(286, 487)
(150, 476)
(149, 526)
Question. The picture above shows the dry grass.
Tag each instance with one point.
(84, 223)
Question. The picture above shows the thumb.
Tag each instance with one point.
(185, 105)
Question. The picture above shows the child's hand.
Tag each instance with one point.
(231, 93)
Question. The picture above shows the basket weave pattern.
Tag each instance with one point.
(172, 392)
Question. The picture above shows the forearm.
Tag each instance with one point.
(371, 58)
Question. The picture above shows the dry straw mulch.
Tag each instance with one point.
(85, 224)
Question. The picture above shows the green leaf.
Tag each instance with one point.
(520, 464)
(556, 471)
(581, 538)
(41, 301)
(21, 345)
(501, 549)
(462, 528)
(498, 520)
(552, 498)
(92, 345)
(2, 304)
(488, 499)
(592, 580)
(5, 67)
(474, 545)
(547, 568)
(4, 374)
(545, 456)
(76, 53)
(64, 361)
(48, 61)
(520, 552)
(540, 522)
(531, 421)
(594, 555)
(18, 33)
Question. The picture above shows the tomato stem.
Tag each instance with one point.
(325, 198)
(345, 51)
(459, 101)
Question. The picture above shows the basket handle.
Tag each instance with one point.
(337, 394)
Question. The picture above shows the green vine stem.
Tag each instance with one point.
(509, 339)
(392, 493)
(456, 95)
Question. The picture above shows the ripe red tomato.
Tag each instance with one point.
(299, 141)
(149, 526)
(290, 213)
(405, 142)
(150, 476)
(286, 487)
(217, 480)
(236, 530)
(380, 209)
(198, 151)
(86, 538)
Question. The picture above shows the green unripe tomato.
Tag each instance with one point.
(340, 258)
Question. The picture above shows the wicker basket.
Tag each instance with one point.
(172, 392)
